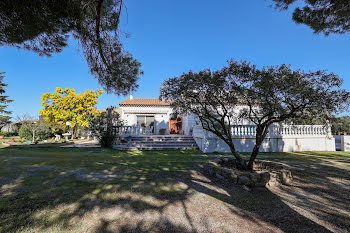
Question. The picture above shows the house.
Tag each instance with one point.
(147, 120)
(154, 117)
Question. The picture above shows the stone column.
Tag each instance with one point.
(345, 142)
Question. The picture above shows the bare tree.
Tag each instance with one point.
(31, 123)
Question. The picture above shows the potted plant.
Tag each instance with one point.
(162, 131)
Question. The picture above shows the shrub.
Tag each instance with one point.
(105, 127)
(9, 134)
(25, 133)
(162, 131)
(42, 131)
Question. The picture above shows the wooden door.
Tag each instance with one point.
(175, 125)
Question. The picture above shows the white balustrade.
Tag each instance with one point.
(282, 130)
(135, 130)
(243, 130)
(304, 130)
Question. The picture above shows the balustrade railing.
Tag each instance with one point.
(316, 130)
(135, 130)
(283, 130)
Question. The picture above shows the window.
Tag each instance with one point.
(145, 121)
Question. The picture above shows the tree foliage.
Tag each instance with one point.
(105, 126)
(4, 101)
(32, 128)
(322, 16)
(25, 133)
(210, 96)
(340, 125)
(35, 131)
(265, 96)
(65, 105)
(277, 93)
(44, 26)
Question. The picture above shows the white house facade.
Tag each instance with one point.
(145, 117)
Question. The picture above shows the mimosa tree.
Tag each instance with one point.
(65, 105)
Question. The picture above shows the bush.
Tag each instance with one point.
(162, 131)
(105, 127)
(25, 133)
(42, 131)
(9, 134)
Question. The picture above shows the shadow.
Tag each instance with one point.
(104, 190)
(139, 227)
(274, 207)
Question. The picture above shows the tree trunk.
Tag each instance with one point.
(259, 138)
(33, 136)
(253, 156)
(73, 133)
(238, 156)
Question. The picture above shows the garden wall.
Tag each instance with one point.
(276, 141)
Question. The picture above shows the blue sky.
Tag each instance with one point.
(172, 37)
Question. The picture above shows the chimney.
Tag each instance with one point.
(131, 97)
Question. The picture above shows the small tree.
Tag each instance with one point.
(105, 126)
(265, 96)
(29, 127)
(4, 101)
(33, 129)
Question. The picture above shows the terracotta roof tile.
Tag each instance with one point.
(144, 102)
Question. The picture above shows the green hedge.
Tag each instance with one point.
(7, 134)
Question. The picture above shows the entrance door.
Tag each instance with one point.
(175, 125)
(146, 121)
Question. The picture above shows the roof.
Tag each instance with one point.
(144, 102)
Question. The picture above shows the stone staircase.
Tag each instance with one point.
(158, 142)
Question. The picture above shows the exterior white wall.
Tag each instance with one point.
(161, 116)
(208, 142)
(345, 142)
(188, 122)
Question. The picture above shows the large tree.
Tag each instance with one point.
(65, 105)
(4, 101)
(211, 97)
(265, 96)
(44, 26)
(340, 125)
(322, 16)
(275, 94)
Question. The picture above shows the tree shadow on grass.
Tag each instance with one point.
(57, 197)
(315, 192)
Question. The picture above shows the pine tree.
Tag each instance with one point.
(4, 114)
(45, 26)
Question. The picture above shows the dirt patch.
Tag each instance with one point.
(101, 176)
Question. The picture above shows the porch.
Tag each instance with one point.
(172, 127)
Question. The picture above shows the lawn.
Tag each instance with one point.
(53, 189)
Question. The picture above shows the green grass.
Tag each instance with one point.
(42, 189)
(34, 179)
(306, 156)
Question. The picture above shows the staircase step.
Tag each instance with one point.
(158, 142)
(154, 148)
